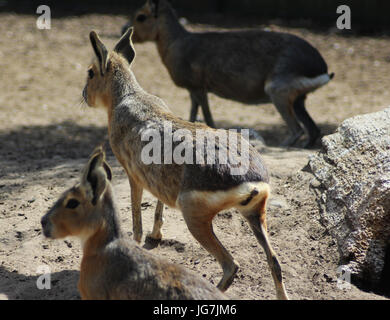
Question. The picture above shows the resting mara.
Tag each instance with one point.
(112, 267)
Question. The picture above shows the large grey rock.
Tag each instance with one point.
(353, 169)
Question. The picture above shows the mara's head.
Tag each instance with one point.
(78, 211)
(107, 67)
(145, 20)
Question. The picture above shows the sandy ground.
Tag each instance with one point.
(46, 136)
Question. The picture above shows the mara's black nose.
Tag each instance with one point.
(44, 221)
(45, 228)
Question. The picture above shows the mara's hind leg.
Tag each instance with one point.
(199, 223)
(257, 221)
(203, 232)
(306, 120)
(156, 234)
(283, 105)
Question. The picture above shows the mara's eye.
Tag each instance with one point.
(90, 73)
(72, 204)
(141, 18)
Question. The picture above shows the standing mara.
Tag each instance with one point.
(248, 66)
(198, 189)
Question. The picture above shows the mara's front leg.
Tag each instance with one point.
(199, 97)
(136, 198)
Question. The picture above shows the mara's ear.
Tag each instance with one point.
(108, 170)
(125, 45)
(94, 178)
(100, 51)
(153, 4)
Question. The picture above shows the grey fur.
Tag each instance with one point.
(249, 66)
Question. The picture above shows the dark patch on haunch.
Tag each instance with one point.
(254, 192)
(300, 58)
(214, 177)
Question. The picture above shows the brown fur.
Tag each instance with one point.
(112, 267)
(200, 191)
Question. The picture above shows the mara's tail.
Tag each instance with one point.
(306, 85)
